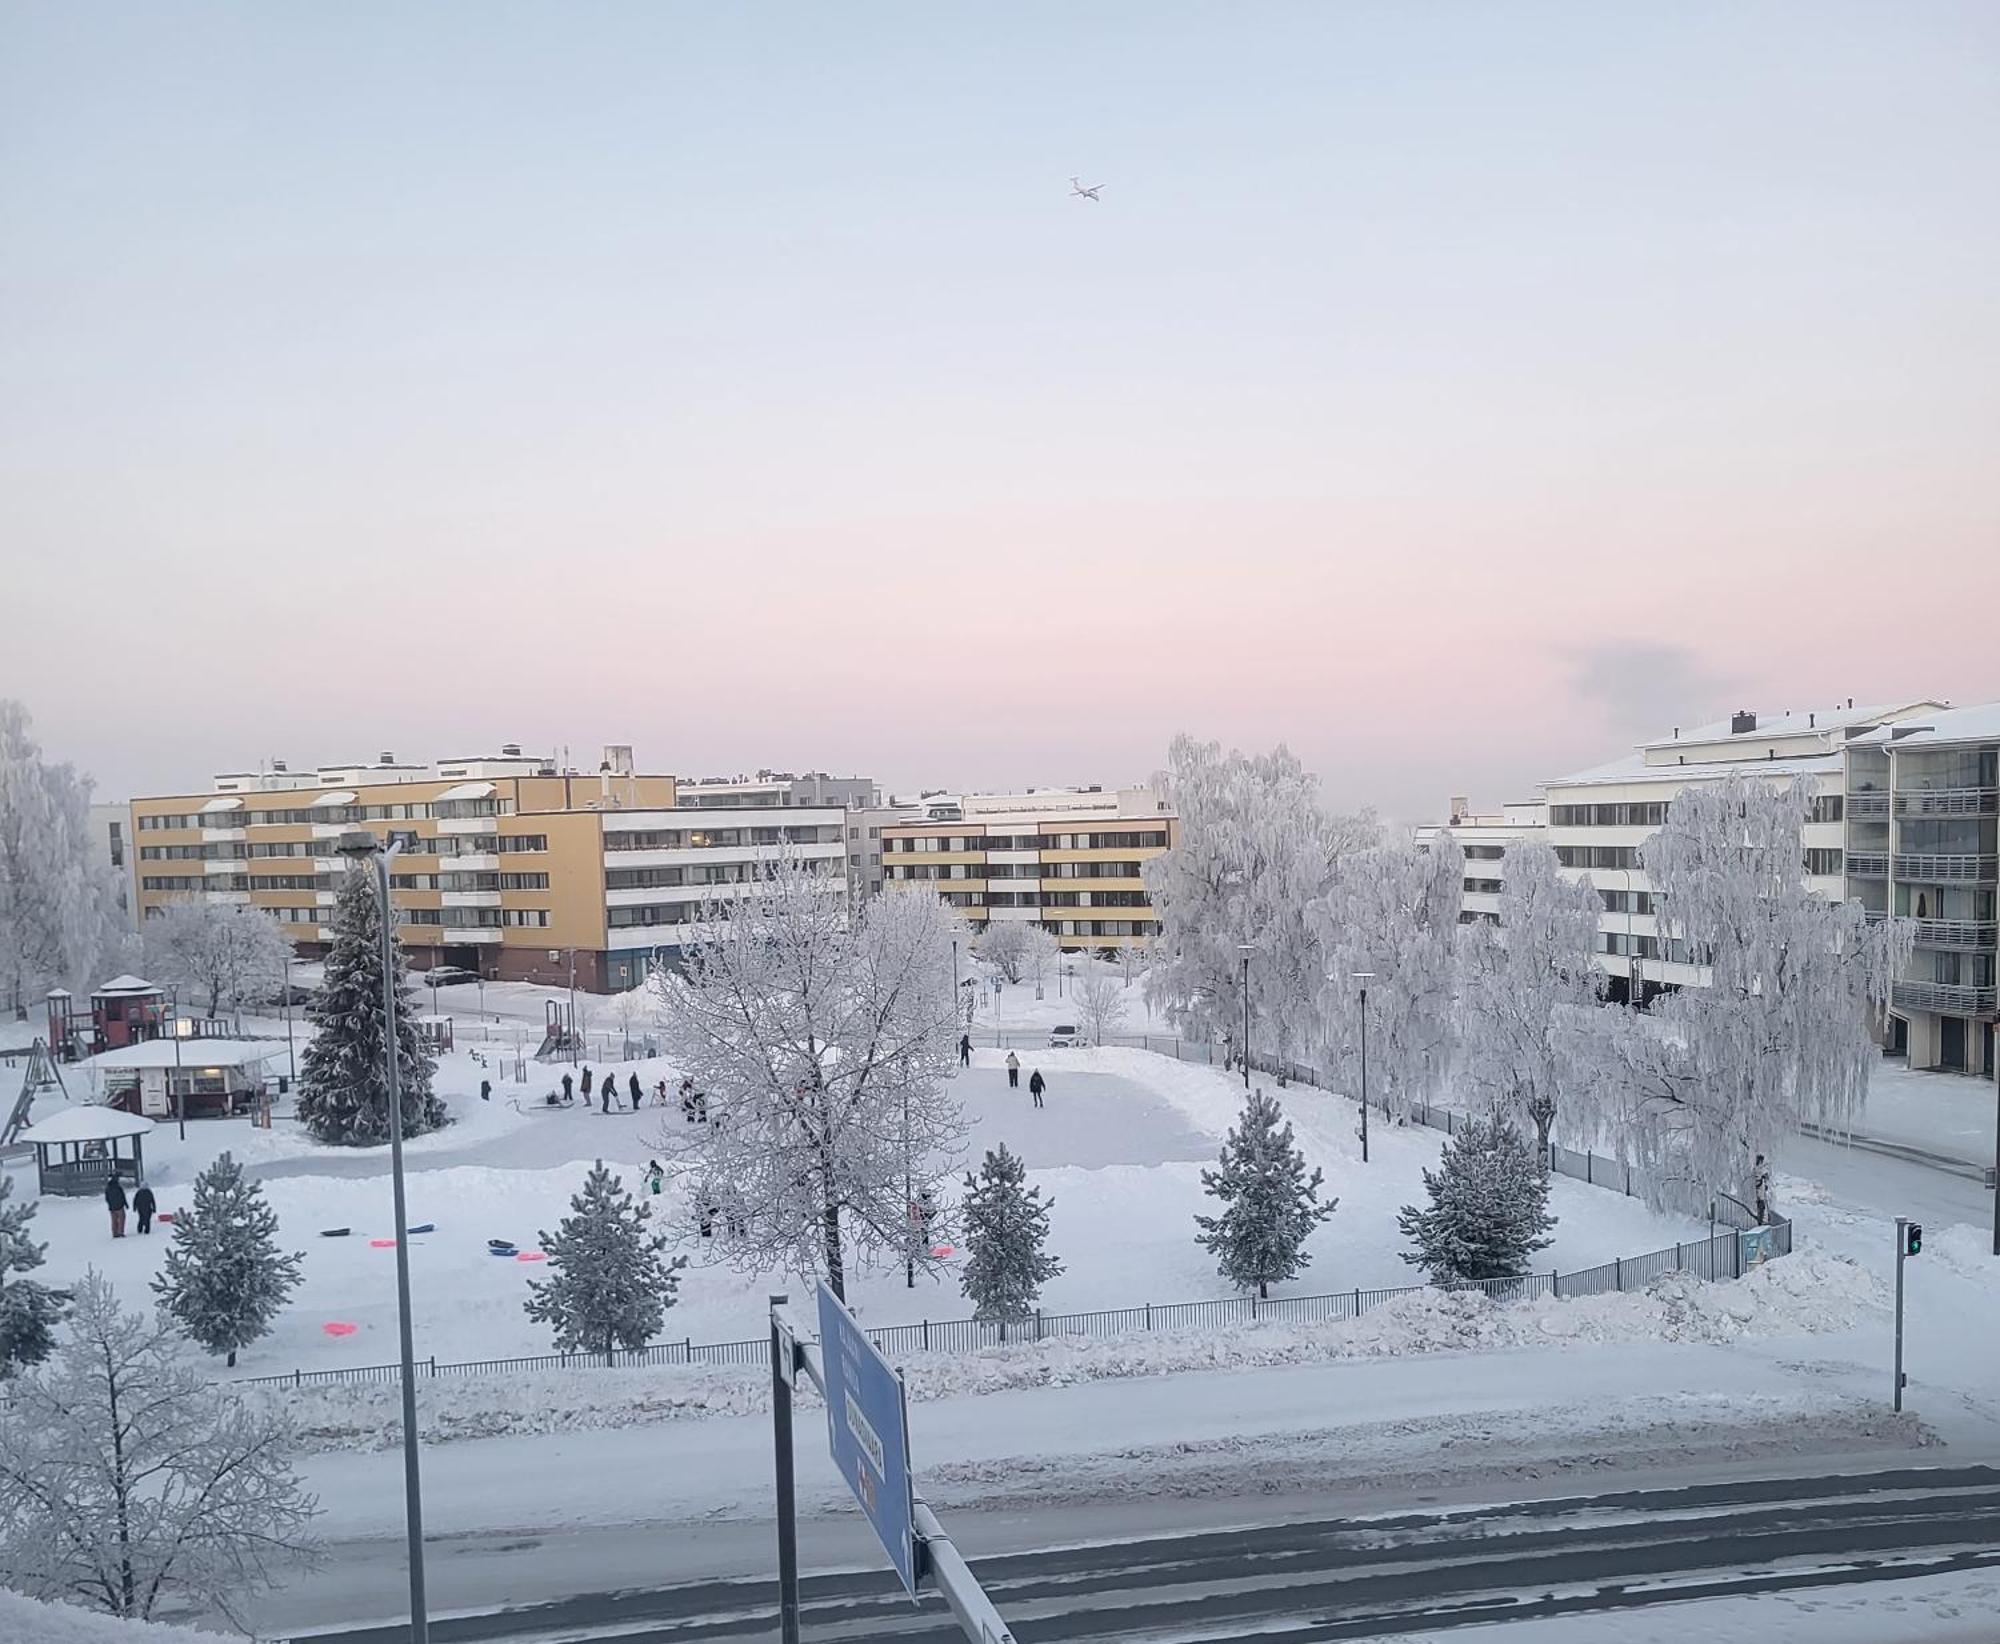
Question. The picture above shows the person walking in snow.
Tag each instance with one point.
(1036, 1085)
(638, 1091)
(1013, 1071)
(569, 1090)
(114, 1201)
(965, 1050)
(486, 1090)
(586, 1084)
(655, 1177)
(143, 1206)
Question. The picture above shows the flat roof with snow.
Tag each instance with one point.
(87, 1123)
(191, 1053)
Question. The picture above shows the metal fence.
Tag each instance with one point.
(1724, 1256)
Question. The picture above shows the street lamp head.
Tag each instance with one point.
(1246, 948)
(357, 843)
(1364, 975)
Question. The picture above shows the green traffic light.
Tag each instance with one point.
(1914, 1242)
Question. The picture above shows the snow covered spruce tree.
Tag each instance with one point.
(128, 1480)
(228, 952)
(343, 1082)
(1254, 850)
(224, 1279)
(824, 1042)
(1392, 911)
(1715, 1076)
(1527, 988)
(1488, 1208)
(1269, 1204)
(28, 1310)
(608, 1284)
(1006, 1226)
(1004, 946)
(58, 905)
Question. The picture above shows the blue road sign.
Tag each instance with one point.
(868, 1431)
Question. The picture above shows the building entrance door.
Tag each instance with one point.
(1951, 1043)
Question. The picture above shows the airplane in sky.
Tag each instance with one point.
(1083, 193)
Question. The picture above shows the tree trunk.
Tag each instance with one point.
(1542, 1123)
(836, 1272)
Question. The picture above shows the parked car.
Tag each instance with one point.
(448, 976)
(1065, 1037)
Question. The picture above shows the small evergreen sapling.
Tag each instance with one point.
(1269, 1204)
(343, 1080)
(224, 1278)
(28, 1311)
(1488, 1211)
(1006, 1225)
(608, 1285)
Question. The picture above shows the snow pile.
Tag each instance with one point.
(33, 1622)
(1806, 1294)
(1965, 1249)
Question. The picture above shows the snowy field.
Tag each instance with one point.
(1120, 1146)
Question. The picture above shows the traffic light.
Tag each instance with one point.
(1913, 1238)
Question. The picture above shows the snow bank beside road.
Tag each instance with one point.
(1805, 1294)
(32, 1622)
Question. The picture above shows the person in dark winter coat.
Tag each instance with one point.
(586, 1085)
(965, 1050)
(638, 1092)
(486, 1090)
(1036, 1085)
(569, 1089)
(143, 1206)
(1013, 1071)
(114, 1201)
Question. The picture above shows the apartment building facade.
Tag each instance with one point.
(509, 867)
(1069, 860)
(1922, 799)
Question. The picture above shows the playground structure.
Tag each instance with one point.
(559, 1035)
(42, 1074)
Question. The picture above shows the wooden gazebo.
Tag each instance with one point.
(78, 1149)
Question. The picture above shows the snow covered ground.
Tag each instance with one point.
(1120, 1146)
(28, 1621)
(1946, 1113)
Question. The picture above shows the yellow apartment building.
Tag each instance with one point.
(1068, 860)
(510, 867)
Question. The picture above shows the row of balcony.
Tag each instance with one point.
(1947, 998)
(1952, 935)
(1932, 869)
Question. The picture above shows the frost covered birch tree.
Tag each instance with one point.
(1003, 944)
(1041, 953)
(229, 952)
(1254, 850)
(1525, 986)
(127, 1479)
(1392, 911)
(1100, 999)
(58, 903)
(824, 1042)
(1718, 1075)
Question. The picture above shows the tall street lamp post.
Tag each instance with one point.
(359, 846)
(291, 1061)
(1246, 949)
(180, 1083)
(1364, 977)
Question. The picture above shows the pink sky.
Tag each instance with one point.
(1456, 396)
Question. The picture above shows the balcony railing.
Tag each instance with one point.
(1868, 804)
(1958, 935)
(1946, 802)
(1868, 864)
(1952, 998)
(1936, 869)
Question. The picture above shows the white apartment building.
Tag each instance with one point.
(1484, 838)
(111, 838)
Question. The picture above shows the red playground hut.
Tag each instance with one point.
(127, 1010)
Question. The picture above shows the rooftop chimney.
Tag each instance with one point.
(277, 765)
(1460, 807)
(1743, 721)
(385, 758)
(510, 750)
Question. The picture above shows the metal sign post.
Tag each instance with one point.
(868, 1434)
(1902, 1250)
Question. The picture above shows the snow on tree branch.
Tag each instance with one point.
(228, 953)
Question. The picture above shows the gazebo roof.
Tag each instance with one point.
(87, 1124)
(125, 984)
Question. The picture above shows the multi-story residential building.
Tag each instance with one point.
(1068, 859)
(1599, 818)
(1922, 798)
(860, 796)
(1484, 839)
(508, 867)
(111, 835)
